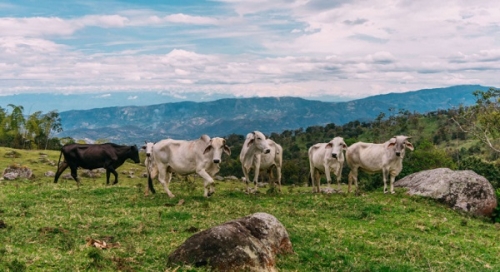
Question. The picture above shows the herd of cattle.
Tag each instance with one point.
(203, 156)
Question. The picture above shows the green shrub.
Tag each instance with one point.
(490, 171)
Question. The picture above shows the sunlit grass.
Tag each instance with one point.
(47, 226)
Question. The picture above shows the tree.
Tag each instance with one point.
(482, 120)
(33, 128)
(51, 122)
(16, 119)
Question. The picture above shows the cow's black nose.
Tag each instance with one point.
(334, 155)
(267, 151)
(148, 154)
(398, 154)
(216, 161)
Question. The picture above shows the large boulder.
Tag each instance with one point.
(246, 244)
(462, 190)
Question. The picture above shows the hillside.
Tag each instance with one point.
(188, 120)
(47, 226)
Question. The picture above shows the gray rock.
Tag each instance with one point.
(246, 244)
(10, 176)
(20, 171)
(91, 174)
(50, 174)
(231, 178)
(219, 178)
(461, 190)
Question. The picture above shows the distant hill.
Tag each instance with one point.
(188, 120)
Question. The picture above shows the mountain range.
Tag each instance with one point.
(188, 120)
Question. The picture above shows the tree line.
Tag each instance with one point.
(32, 131)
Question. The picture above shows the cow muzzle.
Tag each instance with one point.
(334, 155)
(398, 154)
(267, 151)
(148, 154)
(216, 161)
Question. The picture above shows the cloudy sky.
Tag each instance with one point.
(308, 48)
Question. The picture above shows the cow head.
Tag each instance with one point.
(258, 140)
(218, 145)
(399, 143)
(134, 154)
(148, 147)
(337, 145)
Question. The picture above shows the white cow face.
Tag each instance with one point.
(217, 145)
(399, 143)
(148, 146)
(337, 146)
(258, 139)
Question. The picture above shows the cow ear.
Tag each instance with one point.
(250, 142)
(344, 146)
(329, 145)
(391, 145)
(227, 150)
(409, 146)
(143, 147)
(207, 149)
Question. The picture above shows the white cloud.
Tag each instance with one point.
(300, 48)
(188, 19)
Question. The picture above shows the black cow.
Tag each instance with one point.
(91, 156)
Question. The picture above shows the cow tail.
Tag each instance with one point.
(150, 184)
(150, 180)
(58, 165)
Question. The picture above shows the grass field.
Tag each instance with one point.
(47, 226)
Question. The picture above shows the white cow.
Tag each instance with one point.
(201, 156)
(375, 158)
(260, 153)
(326, 157)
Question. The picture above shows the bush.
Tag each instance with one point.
(490, 171)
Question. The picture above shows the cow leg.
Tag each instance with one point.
(316, 181)
(162, 174)
(338, 175)
(108, 173)
(256, 177)
(278, 173)
(328, 174)
(353, 176)
(112, 170)
(392, 184)
(247, 178)
(74, 174)
(60, 169)
(384, 177)
(208, 183)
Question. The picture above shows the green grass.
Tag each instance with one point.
(47, 226)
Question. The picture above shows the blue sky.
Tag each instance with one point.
(306, 48)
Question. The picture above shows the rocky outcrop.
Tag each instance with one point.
(461, 190)
(246, 244)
